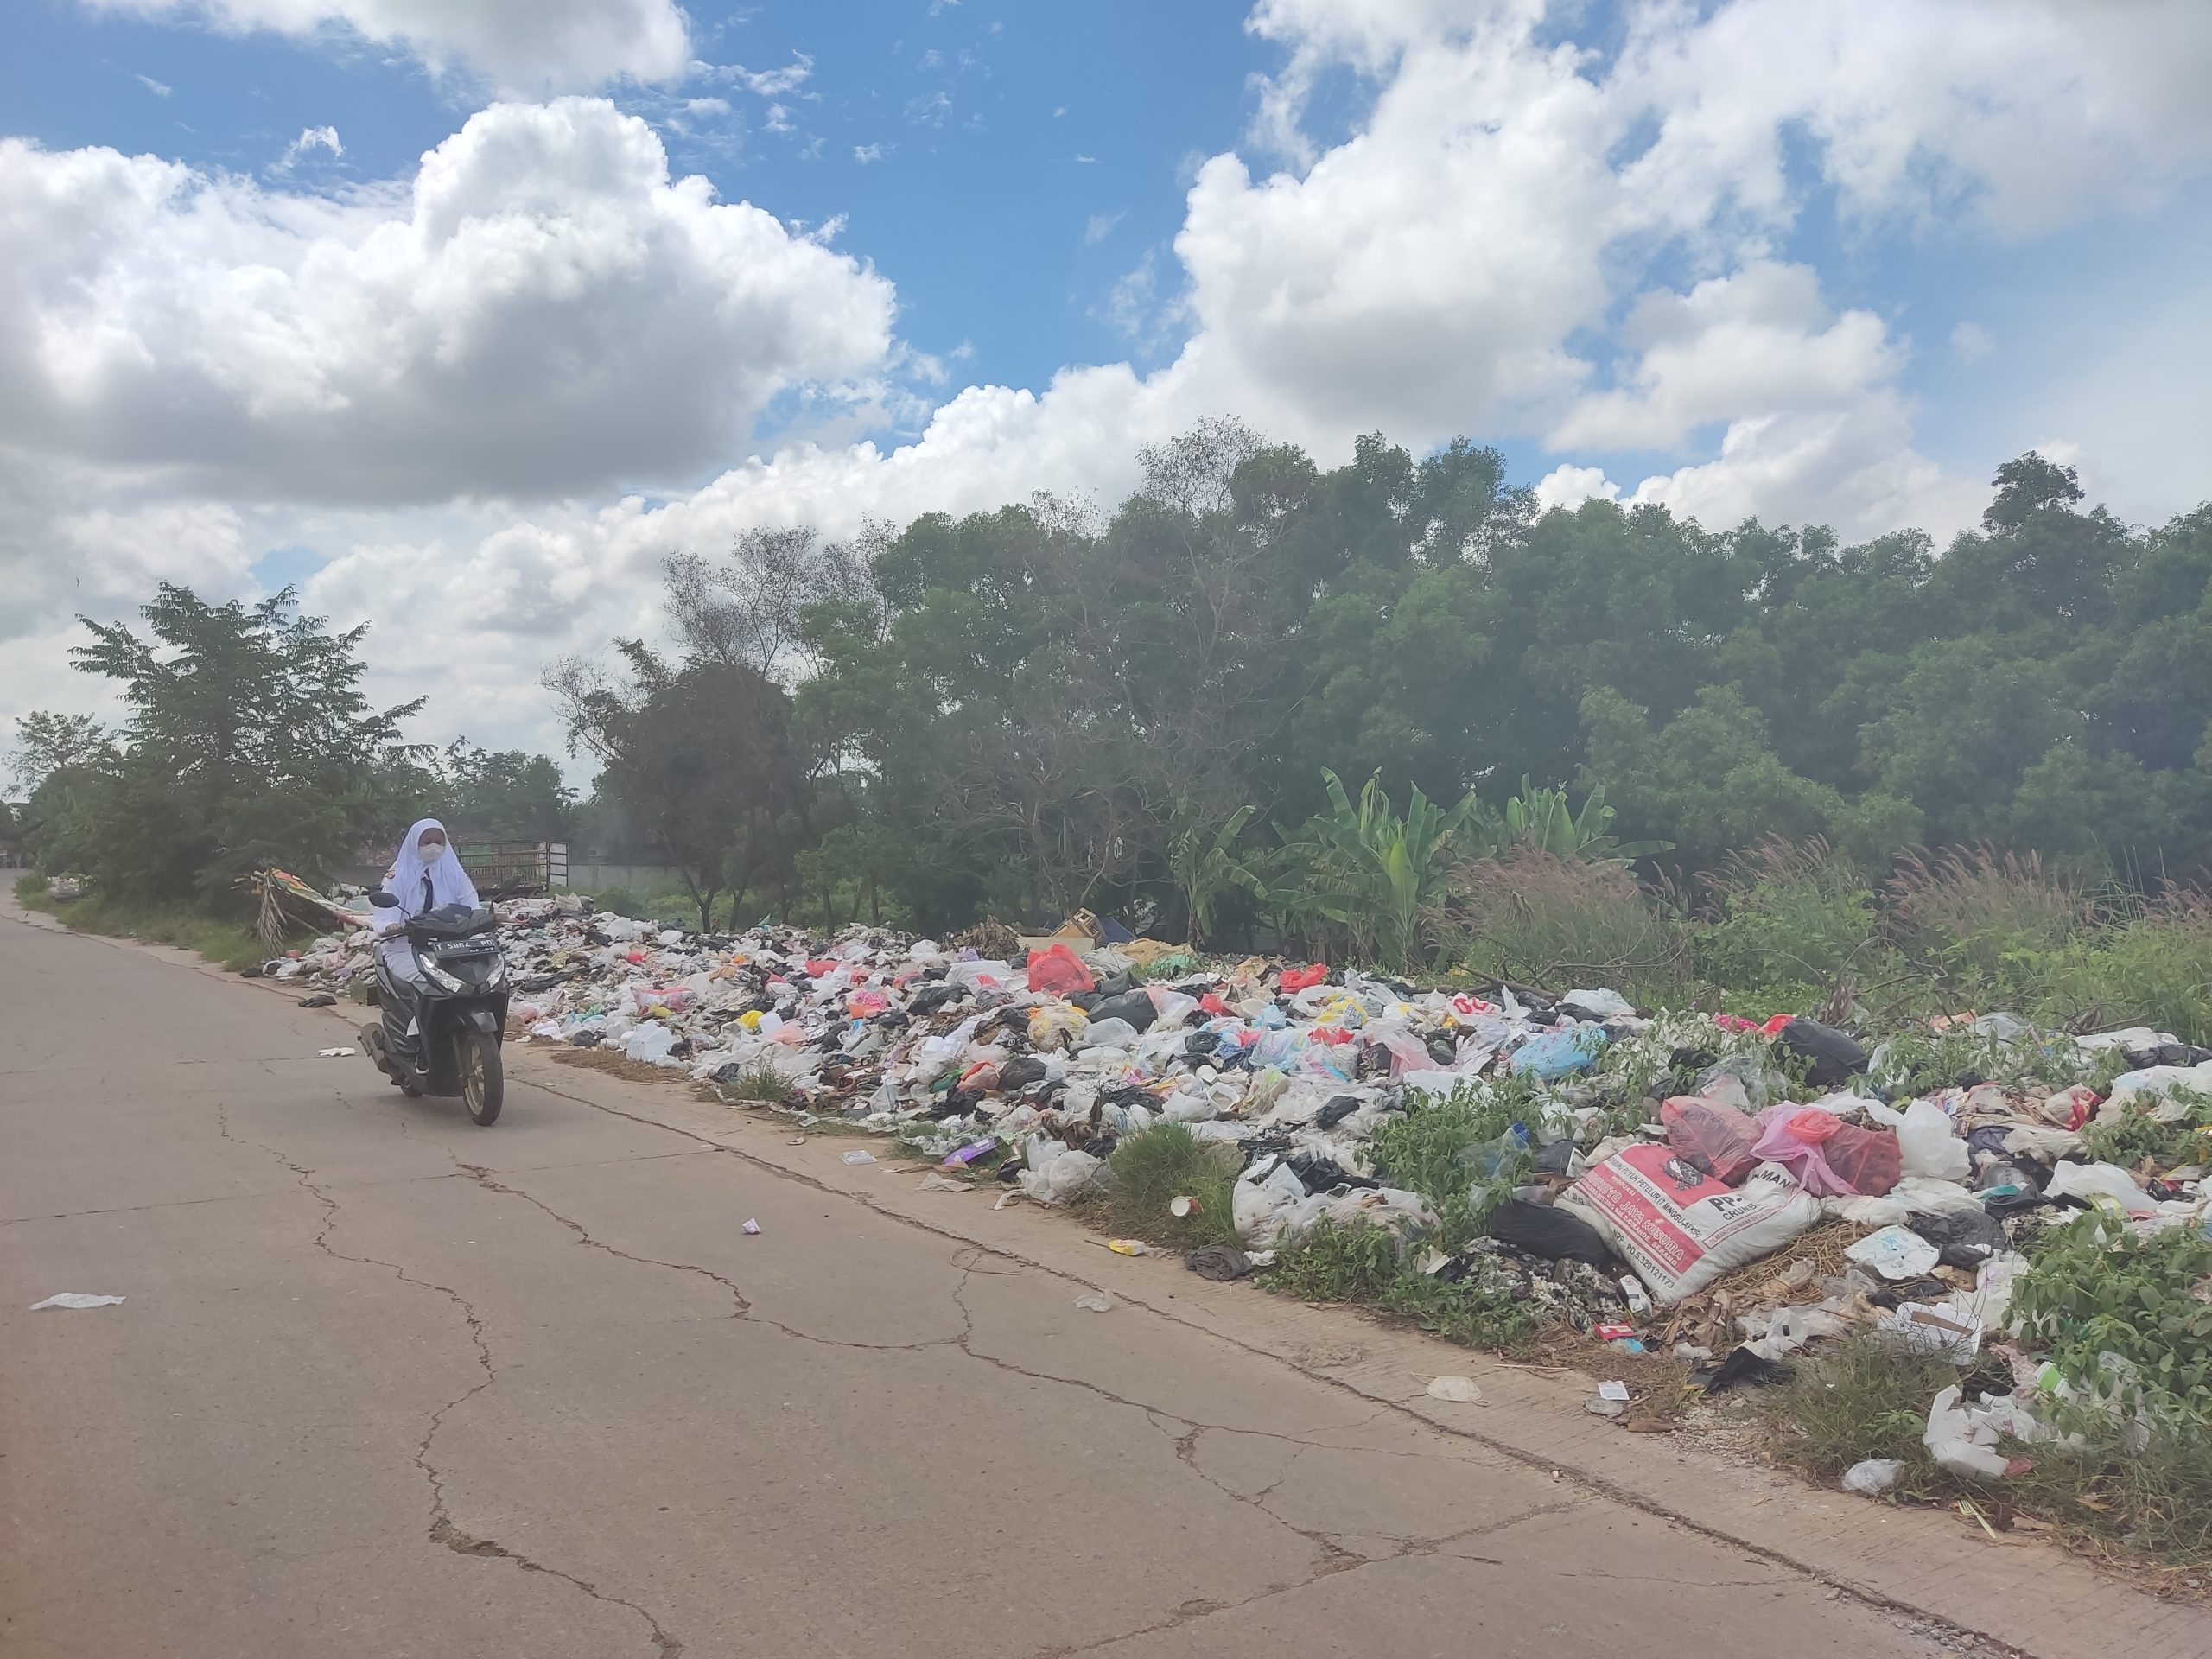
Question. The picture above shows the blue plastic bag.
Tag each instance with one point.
(1559, 1053)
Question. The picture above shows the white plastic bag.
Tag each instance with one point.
(1873, 1476)
(1928, 1143)
(652, 1042)
(1964, 1444)
(2152, 1091)
(1106, 1034)
(2105, 1184)
(1896, 1253)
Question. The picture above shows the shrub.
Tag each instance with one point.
(2094, 1288)
(1794, 927)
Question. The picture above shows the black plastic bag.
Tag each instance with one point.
(1136, 1007)
(1550, 1233)
(1966, 1237)
(1020, 1071)
(1742, 1365)
(1837, 1056)
(1339, 1108)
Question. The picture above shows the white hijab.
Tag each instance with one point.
(449, 883)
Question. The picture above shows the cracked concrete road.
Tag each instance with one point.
(386, 1384)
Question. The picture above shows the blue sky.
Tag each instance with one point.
(1809, 260)
(1030, 155)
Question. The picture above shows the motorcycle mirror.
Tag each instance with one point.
(384, 901)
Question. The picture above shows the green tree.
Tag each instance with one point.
(504, 794)
(248, 741)
(698, 754)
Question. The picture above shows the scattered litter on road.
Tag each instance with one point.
(336, 1053)
(1219, 1262)
(77, 1298)
(1098, 1301)
(751, 1227)
(859, 1157)
(1460, 1390)
(1872, 1476)
(1612, 1390)
(321, 1000)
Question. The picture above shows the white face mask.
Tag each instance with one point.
(433, 853)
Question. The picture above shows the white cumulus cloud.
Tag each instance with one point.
(542, 311)
(520, 45)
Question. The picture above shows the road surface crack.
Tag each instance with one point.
(442, 1530)
(741, 1306)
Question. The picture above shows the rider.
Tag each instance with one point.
(425, 876)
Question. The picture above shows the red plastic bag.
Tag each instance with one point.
(1833, 1159)
(1713, 1138)
(1303, 979)
(1060, 972)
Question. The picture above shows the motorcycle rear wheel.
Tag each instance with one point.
(483, 1078)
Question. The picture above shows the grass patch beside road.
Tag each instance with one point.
(230, 943)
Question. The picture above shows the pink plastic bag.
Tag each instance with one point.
(1831, 1158)
(1060, 973)
(1715, 1138)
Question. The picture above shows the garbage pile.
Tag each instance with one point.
(1684, 1183)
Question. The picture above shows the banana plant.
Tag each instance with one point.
(1205, 867)
(1370, 871)
(1542, 819)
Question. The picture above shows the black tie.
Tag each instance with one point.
(429, 897)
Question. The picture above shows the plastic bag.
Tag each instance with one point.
(1965, 1445)
(1929, 1144)
(1896, 1253)
(652, 1043)
(1714, 1138)
(1106, 1034)
(1836, 1055)
(1872, 1477)
(1056, 1026)
(1559, 1053)
(980, 975)
(1548, 1232)
(1742, 1074)
(2152, 1092)
(1833, 1159)
(1967, 1238)
(1058, 972)
(2101, 1183)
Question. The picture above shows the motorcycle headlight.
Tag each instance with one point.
(439, 977)
(499, 974)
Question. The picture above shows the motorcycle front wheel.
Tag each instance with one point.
(483, 1080)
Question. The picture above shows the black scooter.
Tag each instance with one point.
(442, 1036)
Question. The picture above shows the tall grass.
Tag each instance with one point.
(1537, 920)
(1794, 927)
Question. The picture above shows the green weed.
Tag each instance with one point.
(1164, 1162)
(1367, 1265)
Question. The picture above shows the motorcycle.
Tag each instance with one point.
(440, 1035)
